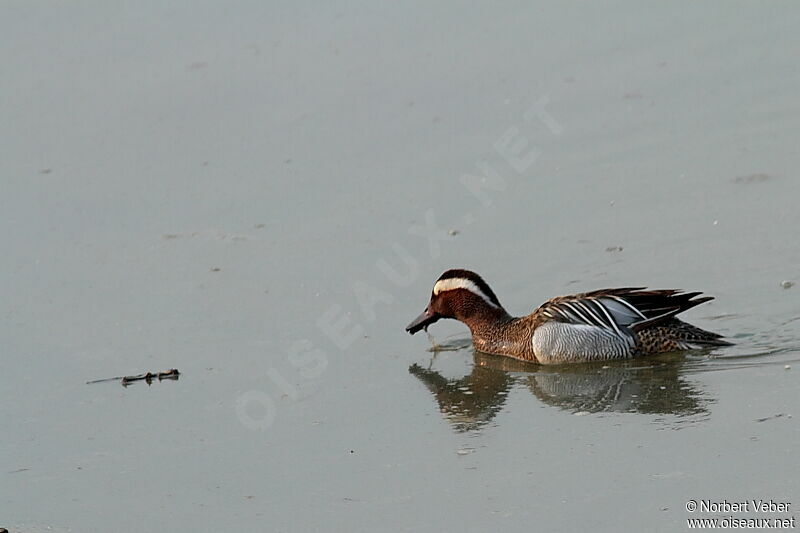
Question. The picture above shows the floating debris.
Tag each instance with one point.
(453, 232)
(465, 451)
(721, 317)
(787, 367)
(770, 417)
(149, 377)
(752, 178)
(207, 234)
(215, 269)
(787, 284)
(614, 249)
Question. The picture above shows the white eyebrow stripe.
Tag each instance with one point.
(461, 283)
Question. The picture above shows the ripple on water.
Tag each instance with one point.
(660, 386)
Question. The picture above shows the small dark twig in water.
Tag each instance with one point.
(172, 374)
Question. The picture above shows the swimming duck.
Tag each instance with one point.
(592, 326)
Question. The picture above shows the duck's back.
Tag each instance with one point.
(616, 324)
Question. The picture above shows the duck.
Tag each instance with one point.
(600, 325)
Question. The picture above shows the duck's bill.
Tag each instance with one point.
(424, 320)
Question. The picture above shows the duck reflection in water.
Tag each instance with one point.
(652, 386)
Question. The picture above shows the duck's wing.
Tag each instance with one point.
(620, 311)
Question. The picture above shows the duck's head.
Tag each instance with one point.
(458, 294)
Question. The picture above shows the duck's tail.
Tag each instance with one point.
(675, 334)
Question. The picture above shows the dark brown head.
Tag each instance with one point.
(459, 294)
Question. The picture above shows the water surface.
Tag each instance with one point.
(262, 195)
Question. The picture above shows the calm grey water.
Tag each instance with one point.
(262, 195)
